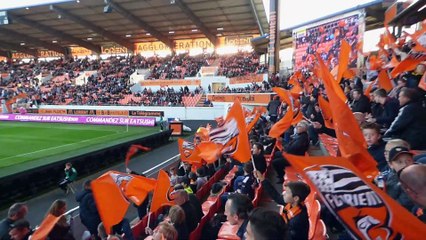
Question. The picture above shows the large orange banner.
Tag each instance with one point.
(250, 98)
(246, 79)
(171, 82)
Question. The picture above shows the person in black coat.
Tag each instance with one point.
(389, 109)
(297, 146)
(272, 107)
(360, 102)
(258, 157)
(410, 124)
(89, 214)
(293, 199)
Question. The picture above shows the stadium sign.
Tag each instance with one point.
(96, 112)
(77, 119)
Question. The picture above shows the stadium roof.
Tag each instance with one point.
(84, 23)
(375, 12)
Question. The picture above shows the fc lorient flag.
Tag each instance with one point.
(365, 210)
(113, 192)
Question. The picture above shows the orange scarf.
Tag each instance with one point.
(290, 212)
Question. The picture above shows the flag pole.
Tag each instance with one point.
(127, 124)
(254, 166)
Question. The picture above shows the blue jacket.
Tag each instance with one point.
(389, 113)
(89, 214)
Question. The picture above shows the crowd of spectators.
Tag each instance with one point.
(240, 64)
(110, 83)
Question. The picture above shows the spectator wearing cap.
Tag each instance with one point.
(390, 107)
(237, 210)
(399, 158)
(265, 224)
(413, 181)
(410, 124)
(16, 212)
(20, 230)
(360, 102)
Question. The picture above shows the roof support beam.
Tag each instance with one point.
(56, 33)
(256, 16)
(35, 41)
(97, 29)
(196, 21)
(136, 20)
(18, 48)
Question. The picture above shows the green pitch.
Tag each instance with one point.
(28, 145)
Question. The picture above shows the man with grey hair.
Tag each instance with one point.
(297, 146)
(16, 212)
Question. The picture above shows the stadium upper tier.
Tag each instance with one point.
(110, 82)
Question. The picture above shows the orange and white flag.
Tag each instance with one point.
(119, 188)
(364, 210)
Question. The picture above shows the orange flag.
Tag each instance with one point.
(162, 191)
(365, 210)
(210, 151)
(45, 227)
(133, 149)
(297, 118)
(368, 89)
(231, 136)
(118, 188)
(385, 81)
(326, 112)
(296, 90)
(408, 64)
(189, 152)
(282, 125)
(285, 122)
(351, 140)
(422, 83)
(393, 63)
(345, 50)
(252, 122)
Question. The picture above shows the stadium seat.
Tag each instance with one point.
(228, 231)
(321, 231)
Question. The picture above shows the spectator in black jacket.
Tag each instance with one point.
(192, 217)
(390, 107)
(360, 102)
(89, 214)
(297, 146)
(376, 146)
(295, 213)
(258, 157)
(410, 124)
(272, 107)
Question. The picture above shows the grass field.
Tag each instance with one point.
(29, 145)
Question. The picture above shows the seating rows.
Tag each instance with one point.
(330, 144)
